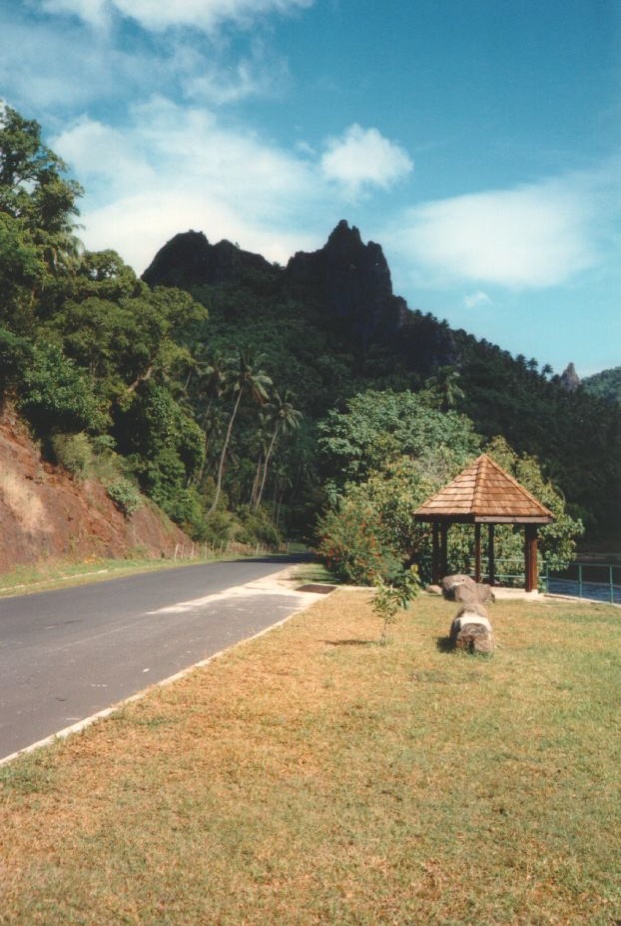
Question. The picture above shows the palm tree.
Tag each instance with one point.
(285, 418)
(214, 375)
(248, 379)
(446, 385)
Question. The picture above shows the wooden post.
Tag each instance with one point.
(436, 571)
(444, 548)
(477, 552)
(490, 556)
(531, 573)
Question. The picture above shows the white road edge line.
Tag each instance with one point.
(306, 600)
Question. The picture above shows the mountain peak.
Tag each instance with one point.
(351, 281)
(189, 259)
(344, 232)
(570, 380)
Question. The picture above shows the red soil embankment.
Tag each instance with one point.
(46, 513)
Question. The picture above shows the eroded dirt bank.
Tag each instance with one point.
(45, 512)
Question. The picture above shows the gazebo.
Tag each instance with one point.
(484, 494)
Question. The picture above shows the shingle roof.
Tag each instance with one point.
(484, 492)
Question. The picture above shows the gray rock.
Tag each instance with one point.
(486, 593)
(473, 633)
(450, 585)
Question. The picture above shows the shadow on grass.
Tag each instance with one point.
(350, 642)
(444, 645)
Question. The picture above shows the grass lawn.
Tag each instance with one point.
(312, 776)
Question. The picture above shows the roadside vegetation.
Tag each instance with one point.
(313, 776)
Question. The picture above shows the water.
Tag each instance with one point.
(594, 591)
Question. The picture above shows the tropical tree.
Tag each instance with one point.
(446, 384)
(128, 337)
(35, 191)
(368, 530)
(379, 427)
(22, 272)
(248, 378)
(284, 418)
(214, 374)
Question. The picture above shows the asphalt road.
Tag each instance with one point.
(67, 654)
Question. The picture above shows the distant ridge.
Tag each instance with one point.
(605, 385)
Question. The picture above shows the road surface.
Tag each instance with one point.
(67, 654)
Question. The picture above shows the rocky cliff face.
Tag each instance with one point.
(189, 259)
(569, 379)
(347, 281)
(345, 286)
(352, 284)
(46, 514)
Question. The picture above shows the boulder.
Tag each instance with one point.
(466, 593)
(472, 632)
(486, 593)
(433, 589)
(473, 607)
(450, 584)
(463, 588)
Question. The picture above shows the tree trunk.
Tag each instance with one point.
(256, 482)
(225, 448)
(265, 465)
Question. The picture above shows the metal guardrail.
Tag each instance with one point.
(592, 580)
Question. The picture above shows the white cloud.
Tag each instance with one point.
(59, 68)
(51, 65)
(258, 73)
(172, 168)
(103, 155)
(364, 158)
(137, 226)
(157, 15)
(474, 300)
(94, 12)
(175, 169)
(534, 236)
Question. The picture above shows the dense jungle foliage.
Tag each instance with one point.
(249, 408)
(605, 385)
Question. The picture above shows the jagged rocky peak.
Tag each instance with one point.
(345, 262)
(351, 280)
(189, 259)
(570, 380)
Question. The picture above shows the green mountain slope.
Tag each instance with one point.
(605, 385)
(330, 326)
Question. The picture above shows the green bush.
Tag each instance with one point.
(74, 452)
(257, 529)
(353, 544)
(55, 395)
(389, 599)
(125, 496)
(221, 527)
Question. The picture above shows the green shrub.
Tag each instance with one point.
(389, 599)
(222, 527)
(258, 529)
(55, 394)
(125, 496)
(353, 544)
(74, 452)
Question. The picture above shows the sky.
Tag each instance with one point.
(478, 141)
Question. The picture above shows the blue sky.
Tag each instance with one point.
(478, 141)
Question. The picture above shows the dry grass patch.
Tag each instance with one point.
(312, 776)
